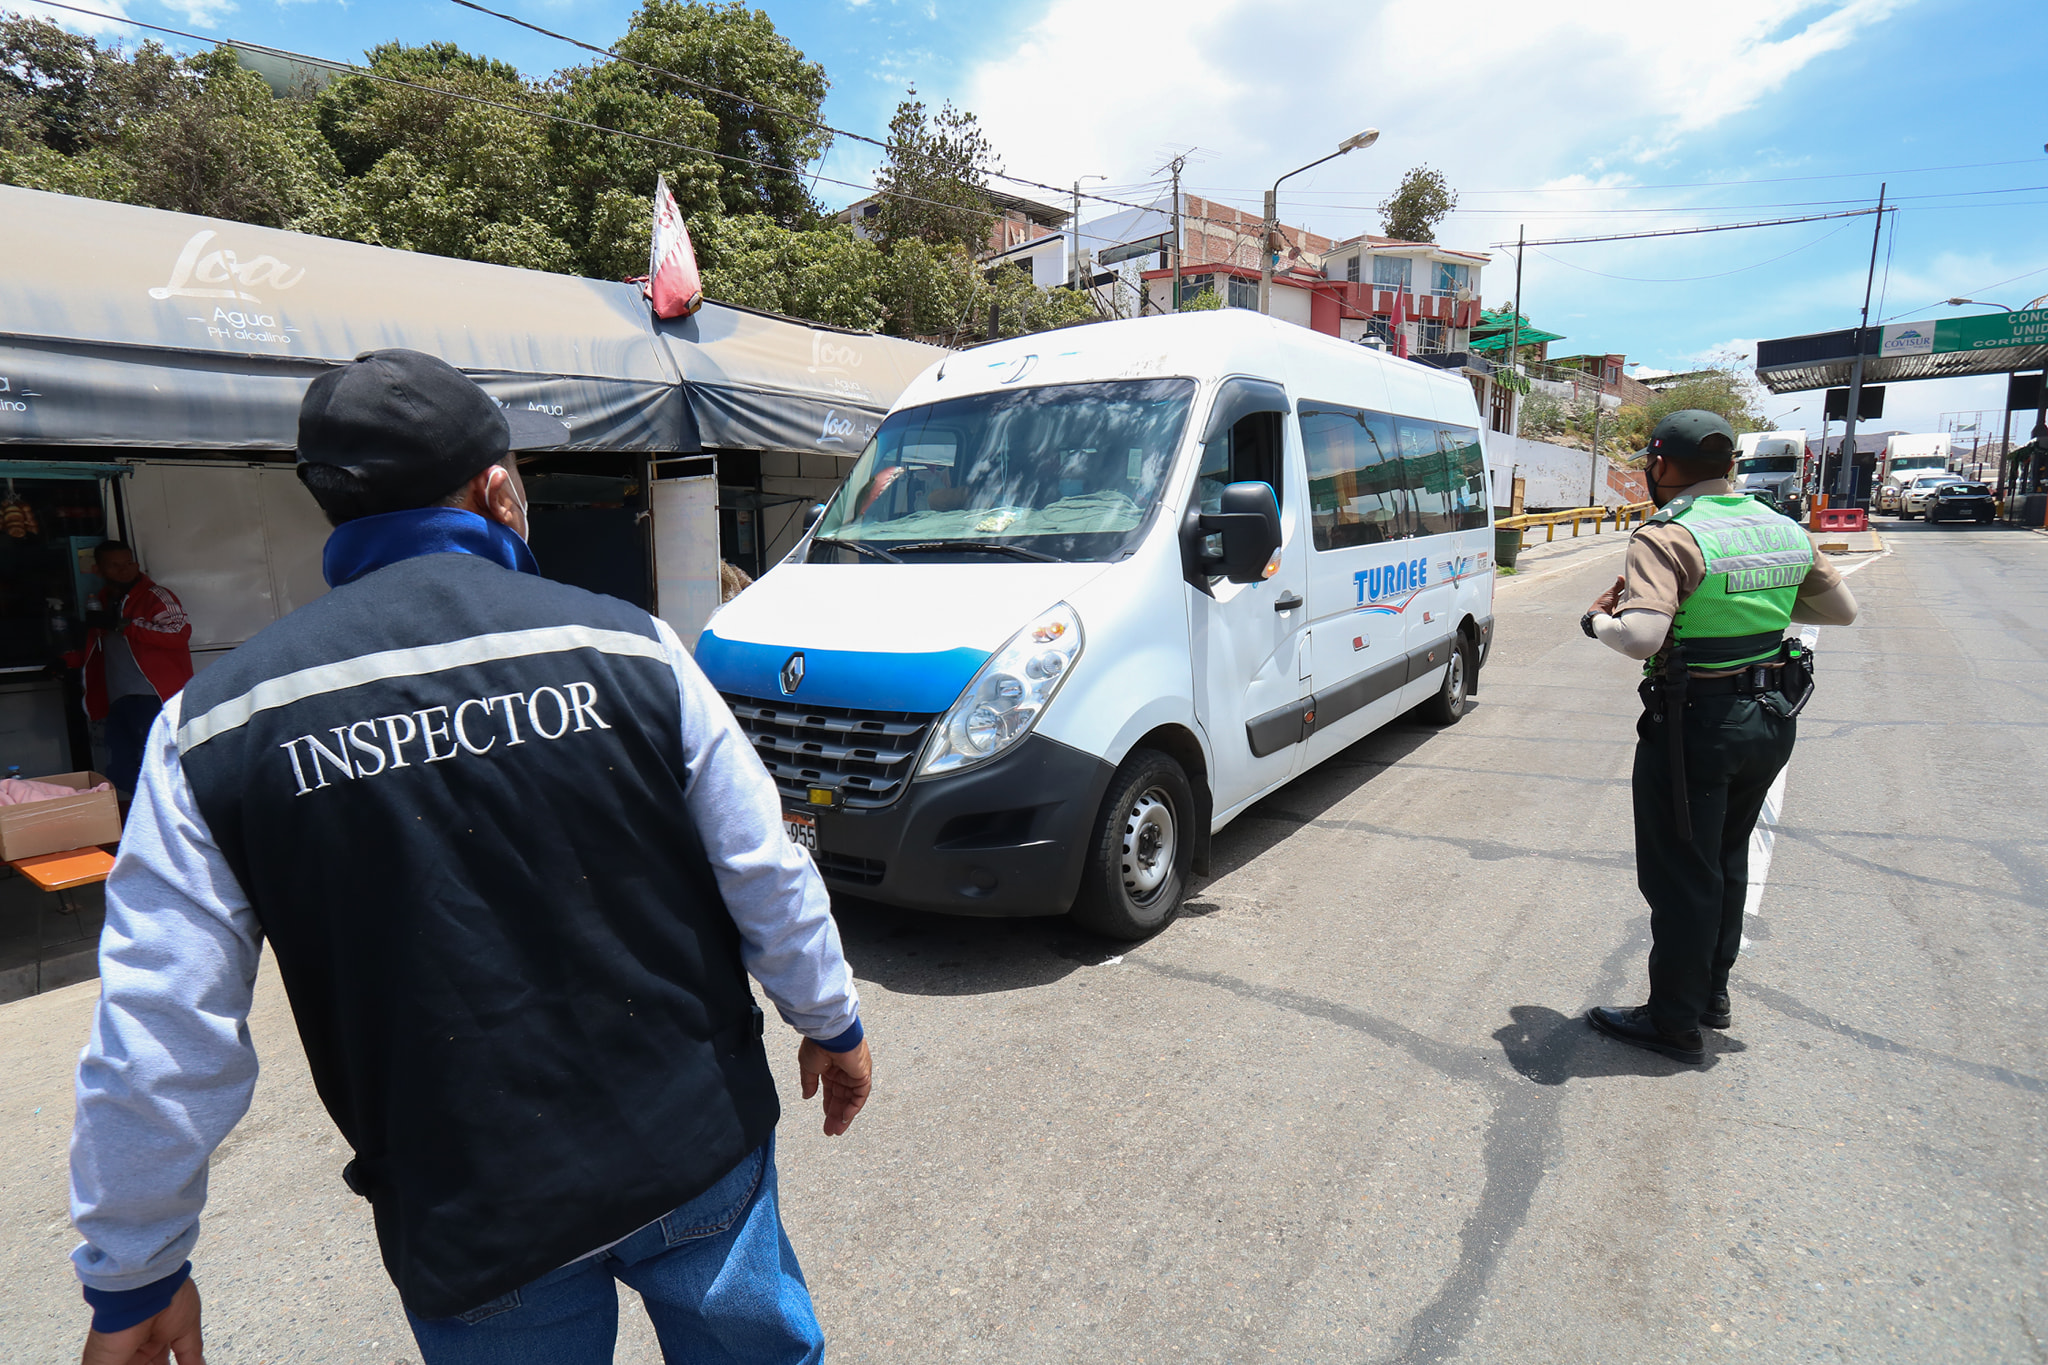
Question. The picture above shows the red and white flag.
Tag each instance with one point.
(673, 283)
(1398, 324)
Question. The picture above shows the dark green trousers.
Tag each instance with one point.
(1734, 749)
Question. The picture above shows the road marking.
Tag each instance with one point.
(1764, 837)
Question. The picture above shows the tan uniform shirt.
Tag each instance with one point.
(1664, 565)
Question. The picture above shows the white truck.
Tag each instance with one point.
(1904, 459)
(1772, 465)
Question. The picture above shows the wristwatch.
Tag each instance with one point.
(1586, 624)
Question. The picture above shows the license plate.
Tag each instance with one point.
(801, 829)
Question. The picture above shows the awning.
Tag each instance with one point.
(757, 381)
(1945, 348)
(132, 327)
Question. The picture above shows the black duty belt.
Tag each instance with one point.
(1783, 684)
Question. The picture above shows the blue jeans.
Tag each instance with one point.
(127, 732)
(718, 1276)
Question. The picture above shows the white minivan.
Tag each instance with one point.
(1089, 594)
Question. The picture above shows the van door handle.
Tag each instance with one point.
(1287, 602)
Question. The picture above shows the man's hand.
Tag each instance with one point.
(1606, 601)
(153, 1341)
(846, 1076)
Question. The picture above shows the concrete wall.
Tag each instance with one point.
(1559, 476)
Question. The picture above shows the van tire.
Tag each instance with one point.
(1454, 690)
(1132, 886)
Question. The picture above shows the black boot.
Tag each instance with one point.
(1632, 1025)
(1716, 1015)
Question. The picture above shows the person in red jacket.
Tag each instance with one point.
(138, 656)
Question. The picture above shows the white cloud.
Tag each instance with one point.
(202, 13)
(1495, 93)
(78, 23)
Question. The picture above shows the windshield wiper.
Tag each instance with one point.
(857, 547)
(985, 546)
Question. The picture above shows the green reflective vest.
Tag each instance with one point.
(1756, 560)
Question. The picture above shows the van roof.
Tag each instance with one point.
(1202, 346)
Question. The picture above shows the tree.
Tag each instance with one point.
(825, 274)
(1205, 302)
(1412, 212)
(198, 135)
(767, 123)
(934, 185)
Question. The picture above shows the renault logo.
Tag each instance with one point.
(792, 674)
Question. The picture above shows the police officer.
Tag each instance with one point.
(1711, 583)
(516, 861)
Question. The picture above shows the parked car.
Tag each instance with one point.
(1913, 496)
(1960, 501)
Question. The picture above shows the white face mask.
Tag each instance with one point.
(525, 521)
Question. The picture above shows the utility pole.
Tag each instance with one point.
(1515, 334)
(1593, 479)
(1178, 163)
(1268, 229)
(1074, 266)
(1846, 466)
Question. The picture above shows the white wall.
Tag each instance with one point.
(1556, 476)
(812, 478)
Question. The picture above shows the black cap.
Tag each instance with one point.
(1689, 435)
(411, 427)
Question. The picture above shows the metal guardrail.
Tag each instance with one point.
(1633, 512)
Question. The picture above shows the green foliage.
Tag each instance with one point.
(771, 132)
(1411, 212)
(1205, 302)
(439, 150)
(825, 274)
(936, 178)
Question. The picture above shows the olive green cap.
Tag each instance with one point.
(1689, 435)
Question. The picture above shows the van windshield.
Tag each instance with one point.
(1767, 464)
(1068, 471)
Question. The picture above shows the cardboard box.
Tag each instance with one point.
(62, 822)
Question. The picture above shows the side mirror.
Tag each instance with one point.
(811, 517)
(1250, 526)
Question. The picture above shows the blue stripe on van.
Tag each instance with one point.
(921, 683)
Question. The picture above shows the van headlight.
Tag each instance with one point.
(1007, 696)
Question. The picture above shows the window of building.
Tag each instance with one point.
(1351, 270)
(1191, 286)
(1450, 279)
(1391, 272)
(1380, 327)
(1354, 477)
(1430, 335)
(1243, 293)
(1500, 411)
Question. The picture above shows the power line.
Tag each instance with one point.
(368, 74)
(1708, 184)
(1691, 231)
(1693, 279)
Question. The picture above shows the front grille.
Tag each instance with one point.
(841, 867)
(866, 756)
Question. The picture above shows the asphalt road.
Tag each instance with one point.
(1347, 1109)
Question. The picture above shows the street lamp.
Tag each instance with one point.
(1787, 413)
(1272, 223)
(1980, 303)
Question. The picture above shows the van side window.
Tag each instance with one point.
(1426, 474)
(1354, 477)
(1250, 453)
(1470, 497)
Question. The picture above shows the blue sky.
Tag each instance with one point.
(1616, 119)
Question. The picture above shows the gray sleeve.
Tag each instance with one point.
(169, 1068)
(789, 941)
(1834, 605)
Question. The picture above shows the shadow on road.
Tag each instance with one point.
(1550, 1048)
(918, 953)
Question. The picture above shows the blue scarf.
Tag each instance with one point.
(369, 543)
